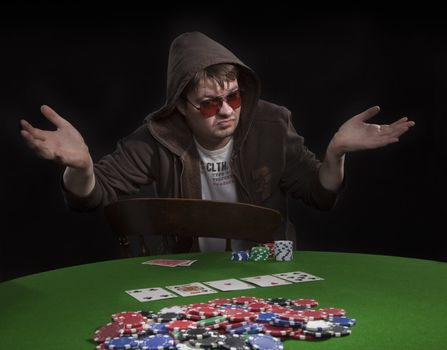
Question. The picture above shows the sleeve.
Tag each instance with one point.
(122, 172)
(300, 177)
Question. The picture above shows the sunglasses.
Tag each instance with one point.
(212, 106)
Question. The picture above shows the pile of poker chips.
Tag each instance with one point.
(280, 250)
(283, 250)
(239, 323)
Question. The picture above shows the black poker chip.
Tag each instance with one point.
(233, 342)
(279, 301)
(209, 342)
(169, 316)
(194, 333)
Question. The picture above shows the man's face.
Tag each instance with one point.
(213, 132)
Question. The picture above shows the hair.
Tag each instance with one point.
(221, 73)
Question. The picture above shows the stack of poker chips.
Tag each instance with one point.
(259, 253)
(283, 250)
(280, 250)
(241, 255)
(241, 323)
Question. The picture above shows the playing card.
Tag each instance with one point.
(265, 281)
(149, 294)
(190, 289)
(298, 276)
(169, 262)
(229, 284)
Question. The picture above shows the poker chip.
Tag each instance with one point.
(317, 326)
(169, 316)
(179, 325)
(244, 300)
(233, 342)
(265, 342)
(339, 331)
(333, 311)
(342, 321)
(194, 333)
(219, 302)
(120, 343)
(209, 342)
(157, 341)
(279, 301)
(308, 303)
(237, 323)
(108, 331)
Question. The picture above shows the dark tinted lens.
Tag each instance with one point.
(208, 108)
(234, 99)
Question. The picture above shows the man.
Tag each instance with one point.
(213, 139)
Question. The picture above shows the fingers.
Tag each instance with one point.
(36, 145)
(32, 131)
(52, 116)
(369, 113)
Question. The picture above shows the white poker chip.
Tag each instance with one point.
(318, 326)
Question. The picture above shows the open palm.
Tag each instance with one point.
(355, 134)
(64, 145)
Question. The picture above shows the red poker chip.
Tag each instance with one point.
(191, 306)
(208, 311)
(130, 331)
(219, 302)
(245, 300)
(180, 325)
(333, 311)
(298, 334)
(258, 307)
(314, 315)
(238, 315)
(195, 317)
(276, 309)
(277, 331)
(309, 303)
(108, 331)
(234, 325)
(293, 316)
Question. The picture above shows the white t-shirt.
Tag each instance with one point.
(217, 184)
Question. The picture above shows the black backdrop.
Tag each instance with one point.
(105, 71)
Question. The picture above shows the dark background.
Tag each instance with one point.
(104, 70)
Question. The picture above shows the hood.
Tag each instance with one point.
(192, 52)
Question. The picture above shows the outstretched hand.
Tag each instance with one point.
(64, 145)
(355, 134)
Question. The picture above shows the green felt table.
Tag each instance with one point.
(399, 303)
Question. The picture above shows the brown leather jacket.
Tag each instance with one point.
(269, 161)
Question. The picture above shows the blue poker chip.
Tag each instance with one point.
(241, 255)
(265, 317)
(265, 342)
(157, 328)
(343, 321)
(158, 341)
(121, 343)
(276, 321)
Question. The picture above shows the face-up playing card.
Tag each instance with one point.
(229, 284)
(169, 262)
(298, 276)
(149, 294)
(191, 289)
(266, 281)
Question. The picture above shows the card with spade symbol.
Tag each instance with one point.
(149, 294)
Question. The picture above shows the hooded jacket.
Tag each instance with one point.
(269, 160)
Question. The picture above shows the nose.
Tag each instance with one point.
(225, 109)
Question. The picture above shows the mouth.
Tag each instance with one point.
(226, 122)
